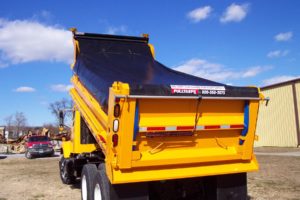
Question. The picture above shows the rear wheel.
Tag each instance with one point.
(104, 190)
(66, 171)
(87, 176)
(28, 155)
(97, 192)
(101, 186)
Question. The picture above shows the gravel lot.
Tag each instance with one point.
(38, 179)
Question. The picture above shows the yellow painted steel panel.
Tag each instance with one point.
(276, 122)
(183, 171)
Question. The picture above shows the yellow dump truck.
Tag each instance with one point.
(144, 131)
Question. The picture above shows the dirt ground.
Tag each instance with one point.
(38, 179)
(278, 178)
(34, 179)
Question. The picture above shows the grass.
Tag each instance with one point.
(38, 196)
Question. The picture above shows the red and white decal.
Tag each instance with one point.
(189, 128)
(184, 91)
(194, 89)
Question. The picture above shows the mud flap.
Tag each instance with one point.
(132, 191)
(231, 186)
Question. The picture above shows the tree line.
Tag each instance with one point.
(18, 122)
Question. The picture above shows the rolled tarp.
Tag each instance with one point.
(104, 59)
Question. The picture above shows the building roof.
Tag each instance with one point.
(280, 84)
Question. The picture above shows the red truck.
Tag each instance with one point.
(38, 146)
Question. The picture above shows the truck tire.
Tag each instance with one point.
(87, 176)
(66, 171)
(104, 190)
(101, 185)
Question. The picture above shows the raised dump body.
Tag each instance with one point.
(151, 123)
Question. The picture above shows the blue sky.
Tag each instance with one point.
(234, 42)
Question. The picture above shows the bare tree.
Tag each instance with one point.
(9, 122)
(20, 122)
(16, 123)
(61, 105)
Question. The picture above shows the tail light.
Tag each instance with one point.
(116, 125)
(117, 100)
(115, 139)
(117, 110)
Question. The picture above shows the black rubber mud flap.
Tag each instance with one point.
(232, 187)
(132, 191)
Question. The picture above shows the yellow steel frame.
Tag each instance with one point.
(182, 171)
(74, 146)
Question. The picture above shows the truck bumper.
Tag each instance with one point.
(185, 171)
(41, 152)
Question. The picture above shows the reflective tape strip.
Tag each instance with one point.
(191, 128)
(156, 128)
(171, 128)
(225, 126)
(241, 126)
(143, 129)
(200, 127)
(181, 128)
(212, 127)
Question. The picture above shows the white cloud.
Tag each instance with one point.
(277, 53)
(27, 40)
(61, 87)
(283, 36)
(217, 72)
(199, 13)
(235, 13)
(24, 89)
(44, 15)
(278, 79)
(44, 103)
(116, 29)
(2, 65)
(253, 71)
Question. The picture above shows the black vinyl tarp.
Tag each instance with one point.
(104, 59)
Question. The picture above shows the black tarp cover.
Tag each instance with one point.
(104, 59)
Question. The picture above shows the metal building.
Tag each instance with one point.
(278, 122)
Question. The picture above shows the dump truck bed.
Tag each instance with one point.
(169, 125)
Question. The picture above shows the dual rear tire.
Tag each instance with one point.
(88, 174)
(94, 183)
(96, 186)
